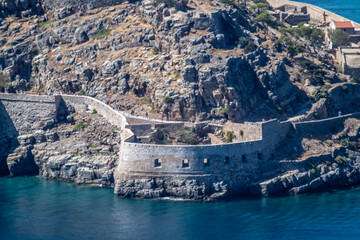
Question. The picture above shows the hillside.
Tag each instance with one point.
(196, 60)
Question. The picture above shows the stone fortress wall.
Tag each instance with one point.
(78, 4)
(235, 164)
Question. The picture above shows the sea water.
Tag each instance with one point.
(347, 8)
(35, 208)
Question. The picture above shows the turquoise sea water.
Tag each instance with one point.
(34, 208)
(347, 8)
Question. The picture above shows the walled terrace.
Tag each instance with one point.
(210, 170)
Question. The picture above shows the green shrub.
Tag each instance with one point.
(5, 81)
(177, 75)
(225, 111)
(82, 92)
(166, 99)
(259, 6)
(188, 136)
(34, 51)
(229, 136)
(114, 130)
(230, 2)
(154, 50)
(312, 68)
(344, 142)
(340, 160)
(94, 111)
(241, 133)
(259, 1)
(339, 37)
(290, 46)
(315, 35)
(92, 146)
(266, 18)
(320, 93)
(43, 24)
(112, 154)
(247, 44)
(79, 127)
(102, 33)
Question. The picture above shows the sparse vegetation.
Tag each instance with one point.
(225, 111)
(290, 46)
(241, 133)
(94, 111)
(259, 6)
(247, 44)
(312, 69)
(340, 160)
(166, 99)
(34, 51)
(92, 146)
(114, 130)
(313, 34)
(82, 92)
(229, 136)
(187, 135)
(5, 81)
(43, 24)
(230, 2)
(112, 154)
(102, 33)
(79, 127)
(169, 3)
(74, 154)
(339, 37)
(320, 93)
(344, 142)
(154, 50)
(177, 75)
(266, 18)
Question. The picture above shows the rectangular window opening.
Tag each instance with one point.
(185, 163)
(206, 162)
(157, 163)
(227, 160)
(243, 158)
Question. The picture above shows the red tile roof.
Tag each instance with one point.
(347, 24)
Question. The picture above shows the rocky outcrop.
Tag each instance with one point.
(340, 170)
(21, 162)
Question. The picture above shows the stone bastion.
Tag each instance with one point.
(152, 170)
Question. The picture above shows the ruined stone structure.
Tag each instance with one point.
(349, 60)
(152, 170)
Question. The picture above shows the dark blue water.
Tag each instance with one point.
(34, 208)
(347, 8)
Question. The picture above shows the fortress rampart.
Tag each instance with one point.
(152, 170)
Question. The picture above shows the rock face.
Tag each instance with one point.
(21, 162)
(341, 170)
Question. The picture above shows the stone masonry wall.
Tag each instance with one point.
(29, 113)
(78, 4)
(321, 127)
